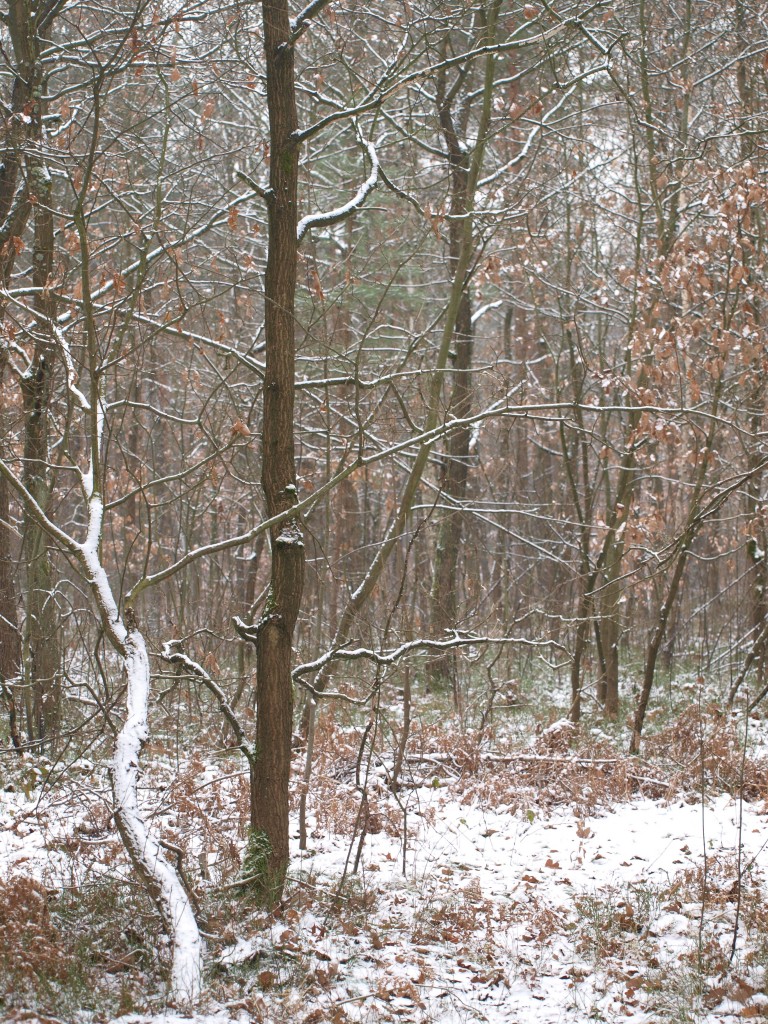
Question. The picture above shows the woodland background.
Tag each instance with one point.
(368, 353)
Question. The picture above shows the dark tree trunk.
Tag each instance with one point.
(41, 624)
(10, 637)
(444, 594)
(14, 212)
(441, 670)
(271, 773)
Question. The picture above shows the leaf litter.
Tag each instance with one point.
(557, 882)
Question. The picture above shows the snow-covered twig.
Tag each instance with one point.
(342, 212)
(390, 657)
(300, 23)
(484, 309)
(398, 83)
(519, 157)
(82, 401)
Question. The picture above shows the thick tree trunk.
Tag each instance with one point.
(274, 633)
(42, 659)
(41, 627)
(10, 637)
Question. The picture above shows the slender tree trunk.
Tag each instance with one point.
(399, 518)
(274, 633)
(442, 670)
(41, 650)
(610, 632)
(756, 544)
(654, 645)
(693, 525)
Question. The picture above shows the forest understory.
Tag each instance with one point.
(525, 870)
(408, 359)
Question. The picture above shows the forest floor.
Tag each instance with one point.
(549, 878)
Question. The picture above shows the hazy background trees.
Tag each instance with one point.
(518, 385)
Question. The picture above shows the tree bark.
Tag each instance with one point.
(270, 774)
(42, 661)
(441, 670)
(10, 637)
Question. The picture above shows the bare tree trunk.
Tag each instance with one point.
(270, 775)
(756, 544)
(15, 208)
(611, 631)
(41, 626)
(10, 638)
(42, 643)
(655, 642)
(693, 525)
(441, 670)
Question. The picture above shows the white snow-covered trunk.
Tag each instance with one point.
(145, 851)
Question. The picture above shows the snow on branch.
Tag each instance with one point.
(82, 401)
(145, 850)
(173, 654)
(534, 132)
(216, 220)
(485, 309)
(342, 212)
(300, 23)
(455, 639)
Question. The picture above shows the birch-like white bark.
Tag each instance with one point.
(145, 851)
(143, 848)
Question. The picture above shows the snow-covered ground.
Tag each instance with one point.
(479, 895)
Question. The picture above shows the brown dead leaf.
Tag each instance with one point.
(741, 991)
(238, 427)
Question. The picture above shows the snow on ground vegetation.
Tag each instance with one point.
(554, 881)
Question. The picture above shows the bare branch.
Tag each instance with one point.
(300, 23)
(173, 654)
(391, 657)
(342, 212)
